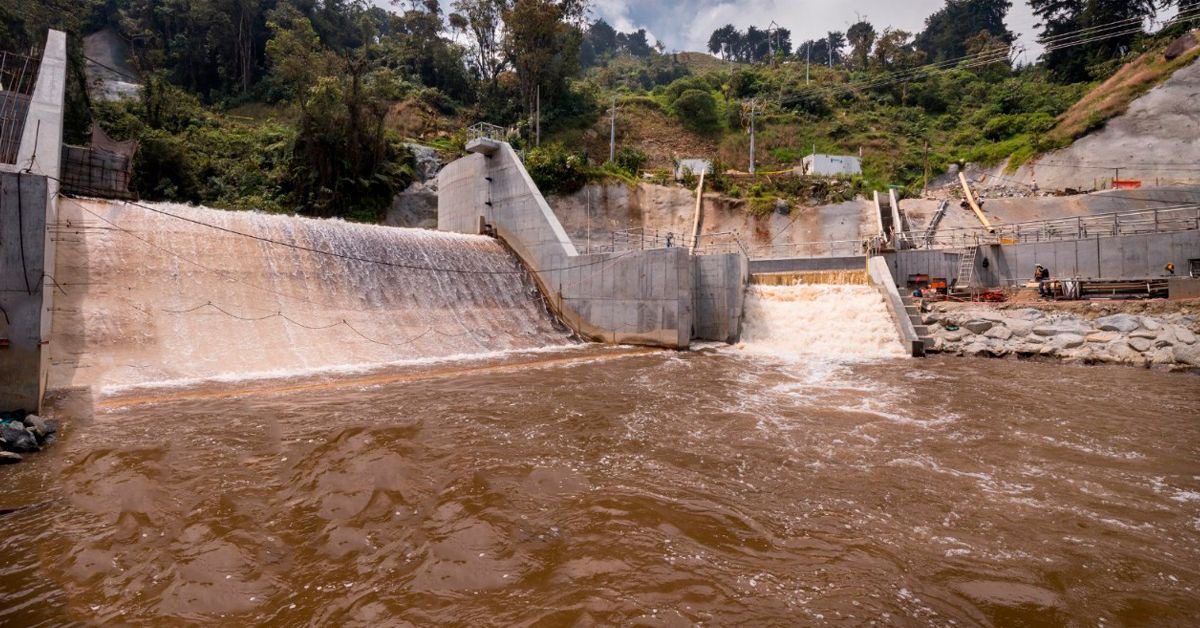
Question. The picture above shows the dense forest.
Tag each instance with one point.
(307, 105)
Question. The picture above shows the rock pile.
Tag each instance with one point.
(1169, 341)
(22, 433)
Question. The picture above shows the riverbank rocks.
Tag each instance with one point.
(1167, 340)
(23, 433)
(978, 326)
(1123, 323)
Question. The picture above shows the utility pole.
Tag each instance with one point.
(538, 128)
(831, 51)
(753, 111)
(925, 189)
(612, 132)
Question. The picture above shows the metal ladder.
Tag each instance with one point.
(966, 269)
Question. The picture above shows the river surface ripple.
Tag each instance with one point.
(647, 488)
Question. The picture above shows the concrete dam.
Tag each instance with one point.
(169, 293)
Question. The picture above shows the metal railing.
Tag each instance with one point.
(1142, 221)
(1170, 219)
(18, 76)
(482, 130)
(829, 248)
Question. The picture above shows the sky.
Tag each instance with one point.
(686, 24)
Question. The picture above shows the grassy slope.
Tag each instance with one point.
(1113, 97)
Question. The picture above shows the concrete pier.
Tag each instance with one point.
(28, 210)
(663, 297)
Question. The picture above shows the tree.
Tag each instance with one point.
(696, 110)
(1059, 17)
(415, 47)
(862, 38)
(342, 160)
(543, 46)
(724, 41)
(985, 45)
(599, 42)
(485, 22)
(895, 52)
(295, 55)
(836, 47)
(755, 45)
(635, 44)
(947, 31)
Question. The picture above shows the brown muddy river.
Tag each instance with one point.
(603, 486)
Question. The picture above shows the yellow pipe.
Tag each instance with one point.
(974, 206)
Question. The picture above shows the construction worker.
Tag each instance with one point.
(1170, 268)
(1042, 276)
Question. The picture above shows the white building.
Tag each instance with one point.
(832, 165)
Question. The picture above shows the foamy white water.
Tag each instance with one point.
(155, 298)
(840, 322)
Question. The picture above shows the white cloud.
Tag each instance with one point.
(687, 24)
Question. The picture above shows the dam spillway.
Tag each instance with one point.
(152, 293)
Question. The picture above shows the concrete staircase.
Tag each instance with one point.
(912, 307)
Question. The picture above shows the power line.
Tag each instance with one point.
(281, 315)
(355, 258)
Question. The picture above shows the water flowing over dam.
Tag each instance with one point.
(165, 292)
(844, 322)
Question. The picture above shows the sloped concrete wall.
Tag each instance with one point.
(880, 276)
(640, 298)
(22, 266)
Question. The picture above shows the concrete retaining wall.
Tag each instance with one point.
(1125, 257)
(718, 296)
(807, 264)
(22, 233)
(641, 297)
(40, 153)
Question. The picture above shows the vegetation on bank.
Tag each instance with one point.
(305, 105)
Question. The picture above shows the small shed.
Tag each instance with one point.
(694, 166)
(832, 165)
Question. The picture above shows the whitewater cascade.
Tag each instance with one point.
(841, 322)
(149, 297)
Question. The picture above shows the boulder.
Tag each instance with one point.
(8, 457)
(978, 326)
(1123, 323)
(1144, 333)
(1163, 356)
(37, 425)
(1184, 335)
(1122, 352)
(975, 348)
(1150, 324)
(1018, 327)
(17, 438)
(1103, 337)
(1068, 341)
(1029, 314)
(954, 336)
(1073, 327)
(999, 333)
(1141, 345)
(1187, 354)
